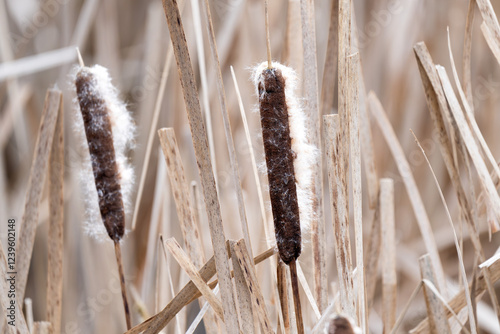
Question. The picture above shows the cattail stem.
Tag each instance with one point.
(118, 254)
(296, 297)
(268, 39)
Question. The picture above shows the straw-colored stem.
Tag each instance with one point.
(38, 172)
(283, 294)
(56, 235)
(202, 153)
(268, 39)
(296, 297)
(119, 262)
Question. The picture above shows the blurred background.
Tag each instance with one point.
(130, 38)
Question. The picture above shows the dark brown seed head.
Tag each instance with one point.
(279, 161)
(340, 325)
(99, 135)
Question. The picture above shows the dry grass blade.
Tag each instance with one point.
(227, 129)
(196, 278)
(472, 148)
(466, 57)
(56, 235)
(202, 153)
(188, 294)
(436, 102)
(411, 188)
(491, 25)
(405, 309)
(389, 277)
(37, 63)
(341, 228)
(307, 291)
(35, 187)
(435, 311)
(459, 301)
(180, 189)
(311, 105)
(459, 251)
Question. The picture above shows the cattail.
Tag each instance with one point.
(108, 130)
(289, 159)
(342, 325)
(288, 156)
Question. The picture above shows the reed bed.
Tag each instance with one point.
(360, 197)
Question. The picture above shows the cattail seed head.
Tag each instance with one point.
(289, 156)
(109, 131)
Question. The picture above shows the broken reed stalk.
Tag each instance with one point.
(98, 110)
(186, 295)
(227, 129)
(56, 219)
(389, 275)
(435, 310)
(38, 173)
(202, 154)
(313, 126)
(411, 188)
(333, 142)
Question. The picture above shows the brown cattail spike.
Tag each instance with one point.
(99, 135)
(279, 161)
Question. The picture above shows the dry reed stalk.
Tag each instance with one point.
(190, 269)
(372, 255)
(35, 187)
(472, 148)
(466, 56)
(458, 302)
(187, 294)
(411, 188)
(354, 140)
(491, 40)
(389, 280)
(180, 189)
(199, 135)
(242, 294)
(56, 220)
(283, 294)
(227, 129)
(490, 26)
(331, 62)
(36, 63)
(333, 143)
(469, 115)
(200, 50)
(463, 275)
(43, 327)
(307, 291)
(436, 101)
(311, 105)
(435, 311)
(243, 259)
(151, 136)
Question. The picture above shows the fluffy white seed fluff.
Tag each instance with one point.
(123, 132)
(305, 153)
